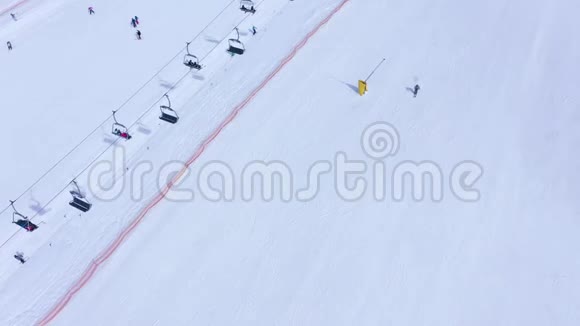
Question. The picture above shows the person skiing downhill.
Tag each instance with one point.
(13, 16)
(91, 11)
(20, 257)
(9, 45)
(136, 20)
(416, 90)
(133, 22)
(254, 30)
(138, 34)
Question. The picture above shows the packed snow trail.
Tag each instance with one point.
(503, 260)
(84, 95)
(495, 89)
(45, 190)
(266, 66)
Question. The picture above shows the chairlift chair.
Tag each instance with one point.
(22, 220)
(247, 6)
(236, 46)
(82, 204)
(79, 201)
(119, 129)
(190, 60)
(25, 224)
(167, 113)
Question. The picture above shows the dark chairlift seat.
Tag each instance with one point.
(80, 203)
(119, 129)
(191, 60)
(21, 220)
(247, 6)
(236, 47)
(167, 113)
(26, 224)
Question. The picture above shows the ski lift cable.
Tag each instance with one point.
(62, 190)
(55, 165)
(106, 120)
(142, 115)
(118, 109)
(187, 73)
(116, 140)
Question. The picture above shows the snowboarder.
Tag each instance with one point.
(138, 34)
(91, 11)
(136, 20)
(416, 90)
(9, 45)
(254, 30)
(13, 16)
(133, 22)
(20, 257)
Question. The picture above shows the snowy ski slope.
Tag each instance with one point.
(497, 88)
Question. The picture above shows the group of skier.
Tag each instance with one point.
(135, 23)
(9, 44)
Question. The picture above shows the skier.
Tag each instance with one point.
(254, 30)
(13, 16)
(91, 11)
(9, 45)
(133, 22)
(416, 90)
(138, 34)
(136, 20)
(20, 257)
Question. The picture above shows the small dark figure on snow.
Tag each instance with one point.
(20, 257)
(136, 20)
(9, 45)
(133, 22)
(13, 16)
(416, 90)
(91, 11)
(138, 34)
(254, 30)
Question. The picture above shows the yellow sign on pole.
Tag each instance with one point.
(362, 87)
(362, 84)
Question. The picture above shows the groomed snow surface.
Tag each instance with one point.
(499, 99)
